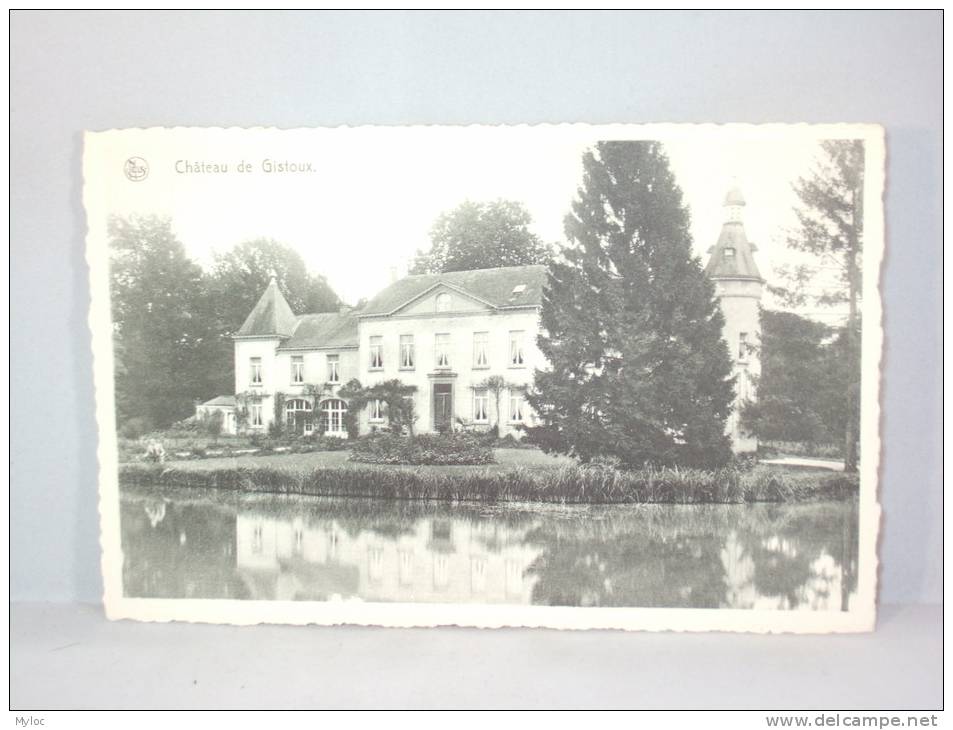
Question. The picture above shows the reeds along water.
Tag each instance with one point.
(570, 484)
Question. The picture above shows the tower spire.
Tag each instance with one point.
(732, 257)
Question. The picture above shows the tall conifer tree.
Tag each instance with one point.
(630, 324)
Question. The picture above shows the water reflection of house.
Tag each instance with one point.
(430, 560)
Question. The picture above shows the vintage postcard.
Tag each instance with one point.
(562, 376)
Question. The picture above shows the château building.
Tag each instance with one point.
(454, 337)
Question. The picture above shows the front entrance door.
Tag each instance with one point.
(442, 406)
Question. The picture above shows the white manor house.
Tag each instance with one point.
(446, 334)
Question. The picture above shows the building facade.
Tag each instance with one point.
(466, 342)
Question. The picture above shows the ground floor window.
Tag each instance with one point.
(516, 408)
(332, 416)
(298, 416)
(377, 409)
(481, 410)
(254, 415)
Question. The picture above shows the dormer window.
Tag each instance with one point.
(443, 302)
(729, 253)
(517, 290)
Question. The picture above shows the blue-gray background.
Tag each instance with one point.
(71, 72)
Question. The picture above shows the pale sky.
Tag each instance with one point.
(374, 193)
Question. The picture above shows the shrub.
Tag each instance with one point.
(136, 427)
(330, 443)
(450, 448)
(186, 425)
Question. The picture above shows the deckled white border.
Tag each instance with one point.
(861, 617)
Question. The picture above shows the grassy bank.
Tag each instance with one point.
(571, 484)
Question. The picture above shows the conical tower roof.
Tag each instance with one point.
(732, 257)
(271, 317)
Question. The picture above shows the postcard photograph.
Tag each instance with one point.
(563, 376)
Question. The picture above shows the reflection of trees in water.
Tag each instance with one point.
(814, 550)
(699, 557)
(188, 553)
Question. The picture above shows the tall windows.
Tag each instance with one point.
(298, 416)
(332, 416)
(376, 410)
(443, 302)
(517, 356)
(481, 344)
(297, 369)
(334, 372)
(481, 406)
(442, 342)
(742, 345)
(255, 375)
(254, 414)
(406, 352)
(516, 407)
(377, 353)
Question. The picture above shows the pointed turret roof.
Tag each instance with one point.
(733, 256)
(271, 317)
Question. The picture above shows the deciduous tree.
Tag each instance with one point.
(157, 305)
(481, 236)
(795, 368)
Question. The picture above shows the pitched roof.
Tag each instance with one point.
(739, 263)
(221, 400)
(494, 286)
(271, 317)
(327, 330)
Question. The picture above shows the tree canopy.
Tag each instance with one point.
(631, 327)
(802, 384)
(240, 275)
(830, 230)
(481, 236)
(161, 335)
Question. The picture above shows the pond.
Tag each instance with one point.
(207, 544)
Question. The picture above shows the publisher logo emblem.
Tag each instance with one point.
(136, 169)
